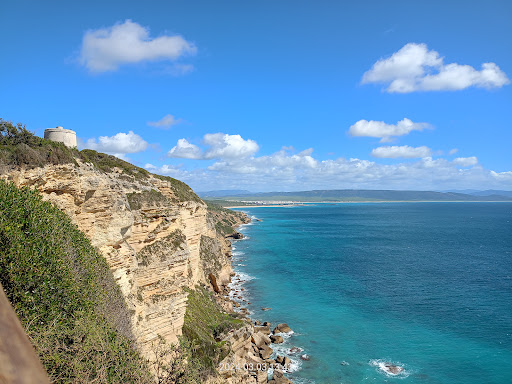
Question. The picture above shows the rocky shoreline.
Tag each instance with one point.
(252, 345)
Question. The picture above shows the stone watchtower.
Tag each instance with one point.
(66, 136)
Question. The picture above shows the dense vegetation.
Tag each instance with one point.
(107, 163)
(204, 322)
(64, 294)
(19, 147)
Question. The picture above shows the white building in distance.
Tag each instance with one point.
(66, 136)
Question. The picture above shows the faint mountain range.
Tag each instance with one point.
(488, 192)
(359, 195)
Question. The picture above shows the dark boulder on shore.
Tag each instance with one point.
(236, 236)
(277, 339)
(392, 368)
(278, 378)
(259, 339)
(282, 328)
(265, 352)
(262, 329)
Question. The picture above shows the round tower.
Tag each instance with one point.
(66, 136)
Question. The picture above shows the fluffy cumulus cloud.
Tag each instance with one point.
(118, 145)
(219, 146)
(165, 122)
(106, 49)
(185, 150)
(405, 151)
(223, 146)
(386, 132)
(416, 68)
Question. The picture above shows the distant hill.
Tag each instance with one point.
(487, 192)
(363, 195)
(492, 192)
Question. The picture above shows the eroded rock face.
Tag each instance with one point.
(153, 246)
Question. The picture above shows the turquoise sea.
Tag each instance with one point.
(425, 286)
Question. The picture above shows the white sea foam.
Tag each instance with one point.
(286, 335)
(237, 294)
(389, 368)
(284, 349)
(242, 226)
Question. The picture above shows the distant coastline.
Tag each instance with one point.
(309, 203)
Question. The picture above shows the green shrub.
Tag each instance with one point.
(107, 163)
(64, 294)
(204, 321)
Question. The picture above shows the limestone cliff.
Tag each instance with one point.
(155, 233)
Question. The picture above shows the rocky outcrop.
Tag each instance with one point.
(282, 328)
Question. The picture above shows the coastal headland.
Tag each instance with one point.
(169, 253)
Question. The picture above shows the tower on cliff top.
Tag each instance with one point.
(66, 136)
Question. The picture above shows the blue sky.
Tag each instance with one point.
(272, 95)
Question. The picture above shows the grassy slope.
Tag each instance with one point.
(205, 321)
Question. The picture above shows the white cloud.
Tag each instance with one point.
(185, 150)
(105, 49)
(118, 145)
(385, 131)
(165, 122)
(219, 146)
(404, 151)
(453, 151)
(224, 146)
(465, 161)
(502, 176)
(279, 163)
(415, 68)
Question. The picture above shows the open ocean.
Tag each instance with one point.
(426, 286)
